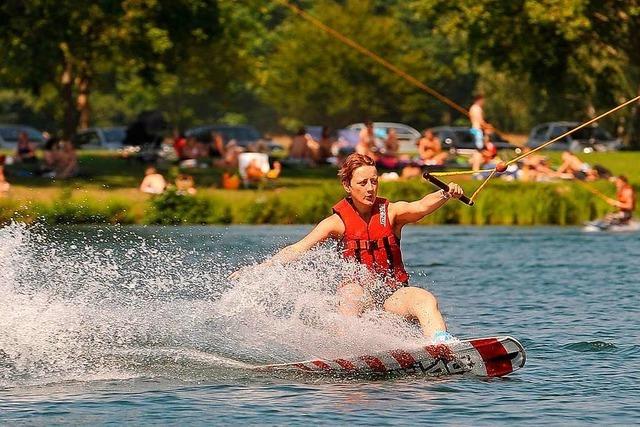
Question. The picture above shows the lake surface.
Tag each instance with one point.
(141, 325)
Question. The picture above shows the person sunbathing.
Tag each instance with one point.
(574, 168)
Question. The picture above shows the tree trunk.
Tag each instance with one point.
(634, 125)
(66, 83)
(82, 102)
(632, 139)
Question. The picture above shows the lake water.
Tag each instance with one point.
(141, 325)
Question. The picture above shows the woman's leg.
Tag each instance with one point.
(416, 303)
(350, 299)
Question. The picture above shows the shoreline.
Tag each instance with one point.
(502, 203)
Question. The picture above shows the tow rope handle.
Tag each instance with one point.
(444, 187)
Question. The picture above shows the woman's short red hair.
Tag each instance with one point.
(353, 162)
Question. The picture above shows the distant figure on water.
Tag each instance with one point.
(625, 201)
(369, 230)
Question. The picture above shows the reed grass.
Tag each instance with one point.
(302, 196)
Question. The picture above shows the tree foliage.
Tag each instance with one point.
(75, 64)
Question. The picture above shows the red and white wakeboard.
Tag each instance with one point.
(483, 357)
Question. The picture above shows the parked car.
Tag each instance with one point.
(9, 136)
(100, 138)
(407, 136)
(243, 135)
(459, 138)
(588, 139)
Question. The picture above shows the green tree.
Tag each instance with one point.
(66, 46)
(575, 55)
(314, 78)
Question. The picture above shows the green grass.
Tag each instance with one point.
(107, 193)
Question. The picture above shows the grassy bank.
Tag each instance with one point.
(107, 194)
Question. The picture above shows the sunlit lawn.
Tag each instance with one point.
(101, 170)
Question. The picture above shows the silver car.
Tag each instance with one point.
(587, 140)
(407, 136)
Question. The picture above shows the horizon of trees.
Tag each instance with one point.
(70, 65)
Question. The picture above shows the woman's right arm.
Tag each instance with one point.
(328, 227)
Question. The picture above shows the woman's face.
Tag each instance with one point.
(364, 185)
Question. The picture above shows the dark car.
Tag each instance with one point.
(100, 138)
(588, 139)
(459, 138)
(244, 136)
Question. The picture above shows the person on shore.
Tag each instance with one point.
(153, 182)
(367, 141)
(478, 124)
(391, 143)
(255, 175)
(430, 149)
(185, 185)
(327, 144)
(4, 184)
(50, 152)
(369, 229)
(389, 157)
(572, 167)
(25, 152)
(625, 201)
(67, 161)
(487, 155)
(301, 150)
(217, 148)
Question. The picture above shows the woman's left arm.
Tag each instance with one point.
(402, 213)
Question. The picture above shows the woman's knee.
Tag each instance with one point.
(423, 298)
(350, 289)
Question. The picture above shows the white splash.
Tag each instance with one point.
(119, 306)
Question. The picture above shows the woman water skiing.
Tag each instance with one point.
(369, 229)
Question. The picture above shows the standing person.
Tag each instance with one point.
(369, 229)
(625, 201)
(478, 124)
(486, 155)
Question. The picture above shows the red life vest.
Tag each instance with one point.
(374, 244)
(633, 196)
